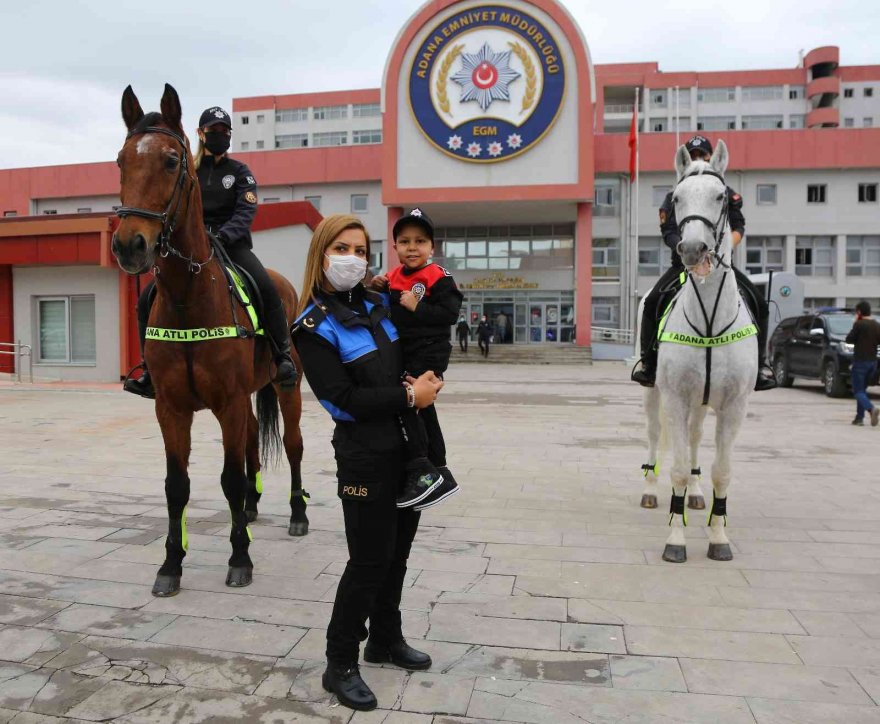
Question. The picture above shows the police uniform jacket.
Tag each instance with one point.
(229, 199)
(351, 357)
(669, 225)
(424, 332)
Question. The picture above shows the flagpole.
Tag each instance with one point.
(677, 118)
(633, 306)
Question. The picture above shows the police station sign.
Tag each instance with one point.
(487, 84)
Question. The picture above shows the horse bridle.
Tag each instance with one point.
(168, 218)
(718, 227)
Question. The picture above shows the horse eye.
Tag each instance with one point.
(719, 197)
(171, 162)
(675, 199)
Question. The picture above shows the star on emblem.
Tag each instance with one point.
(474, 149)
(415, 212)
(484, 76)
(514, 140)
(454, 142)
(495, 149)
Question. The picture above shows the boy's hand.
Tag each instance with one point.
(379, 283)
(409, 301)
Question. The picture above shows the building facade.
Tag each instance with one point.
(495, 121)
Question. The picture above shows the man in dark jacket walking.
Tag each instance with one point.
(865, 338)
(463, 332)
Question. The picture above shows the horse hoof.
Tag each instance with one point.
(251, 515)
(696, 502)
(298, 528)
(166, 586)
(239, 576)
(649, 501)
(674, 554)
(720, 552)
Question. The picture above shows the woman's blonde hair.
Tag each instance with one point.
(200, 152)
(326, 232)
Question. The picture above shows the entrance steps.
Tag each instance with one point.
(525, 354)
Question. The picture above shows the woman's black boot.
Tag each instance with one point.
(345, 681)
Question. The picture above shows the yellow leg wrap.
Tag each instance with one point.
(259, 485)
(184, 539)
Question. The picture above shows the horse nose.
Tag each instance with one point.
(114, 245)
(139, 244)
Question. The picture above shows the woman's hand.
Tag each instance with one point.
(379, 283)
(425, 387)
(409, 301)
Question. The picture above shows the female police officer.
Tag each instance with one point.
(229, 203)
(350, 355)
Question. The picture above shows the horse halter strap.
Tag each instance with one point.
(718, 227)
(172, 209)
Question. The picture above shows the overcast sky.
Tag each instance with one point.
(65, 64)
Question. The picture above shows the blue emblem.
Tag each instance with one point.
(785, 291)
(487, 83)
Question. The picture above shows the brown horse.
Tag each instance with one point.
(161, 229)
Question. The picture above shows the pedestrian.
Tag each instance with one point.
(424, 304)
(865, 338)
(484, 333)
(501, 328)
(463, 332)
(351, 356)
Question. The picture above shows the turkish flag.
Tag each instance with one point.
(633, 144)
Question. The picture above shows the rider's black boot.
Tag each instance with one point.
(647, 373)
(142, 385)
(279, 331)
(766, 379)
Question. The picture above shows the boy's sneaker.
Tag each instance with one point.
(446, 489)
(421, 480)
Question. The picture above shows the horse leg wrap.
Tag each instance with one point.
(676, 507)
(176, 545)
(258, 485)
(299, 494)
(649, 468)
(719, 507)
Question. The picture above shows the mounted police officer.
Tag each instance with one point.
(669, 284)
(229, 204)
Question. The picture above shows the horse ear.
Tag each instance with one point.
(131, 108)
(170, 107)
(682, 161)
(720, 158)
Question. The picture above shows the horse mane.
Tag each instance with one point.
(150, 119)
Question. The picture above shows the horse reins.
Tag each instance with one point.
(720, 224)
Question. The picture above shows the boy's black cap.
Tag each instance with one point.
(416, 216)
(214, 114)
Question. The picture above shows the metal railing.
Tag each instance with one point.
(620, 108)
(615, 336)
(18, 351)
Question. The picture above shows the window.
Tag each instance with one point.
(716, 95)
(867, 193)
(658, 125)
(358, 203)
(363, 137)
(658, 98)
(716, 123)
(868, 92)
(84, 210)
(261, 118)
(314, 201)
(365, 110)
(327, 113)
(683, 97)
(654, 256)
(377, 246)
(815, 193)
(50, 212)
(271, 199)
(847, 92)
(606, 259)
(261, 144)
(863, 256)
(814, 256)
(658, 195)
(333, 138)
(245, 145)
(535, 248)
(795, 92)
(867, 122)
(66, 330)
(606, 200)
(762, 92)
(292, 140)
(682, 123)
(761, 123)
(8, 214)
(766, 194)
(290, 115)
(245, 120)
(849, 122)
(796, 120)
(606, 312)
(764, 254)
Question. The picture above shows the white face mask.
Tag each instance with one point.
(345, 271)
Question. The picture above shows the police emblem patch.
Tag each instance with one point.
(228, 181)
(250, 180)
(250, 197)
(418, 290)
(487, 83)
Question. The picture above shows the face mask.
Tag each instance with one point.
(345, 272)
(217, 143)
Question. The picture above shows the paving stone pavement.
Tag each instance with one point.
(539, 590)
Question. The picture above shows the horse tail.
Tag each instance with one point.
(267, 419)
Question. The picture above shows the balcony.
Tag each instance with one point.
(823, 118)
(823, 61)
(616, 108)
(822, 91)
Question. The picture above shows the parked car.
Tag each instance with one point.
(813, 347)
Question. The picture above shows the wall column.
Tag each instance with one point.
(394, 213)
(583, 274)
(7, 328)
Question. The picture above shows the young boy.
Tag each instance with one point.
(424, 304)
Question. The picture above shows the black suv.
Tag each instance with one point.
(814, 346)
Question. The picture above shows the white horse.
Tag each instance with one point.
(707, 357)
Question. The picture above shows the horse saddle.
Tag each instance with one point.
(242, 286)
